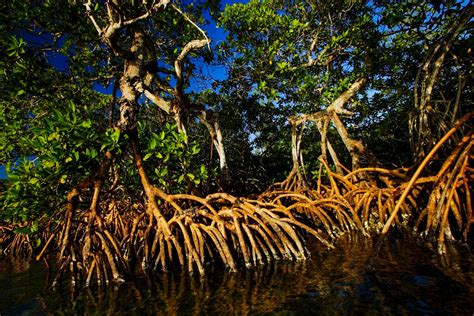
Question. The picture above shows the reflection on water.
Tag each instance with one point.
(402, 279)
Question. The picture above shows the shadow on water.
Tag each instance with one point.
(404, 278)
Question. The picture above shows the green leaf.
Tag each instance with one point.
(195, 149)
(153, 143)
(37, 242)
(147, 156)
(163, 172)
(73, 105)
(34, 227)
(116, 136)
(86, 124)
(53, 136)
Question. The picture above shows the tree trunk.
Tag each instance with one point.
(326, 145)
(425, 121)
(355, 147)
(211, 121)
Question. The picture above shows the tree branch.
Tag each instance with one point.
(194, 24)
(160, 102)
(91, 17)
(178, 64)
(150, 12)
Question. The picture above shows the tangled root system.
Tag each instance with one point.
(113, 239)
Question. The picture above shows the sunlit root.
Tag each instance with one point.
(450, 197)
(106, 238)
(450, 193)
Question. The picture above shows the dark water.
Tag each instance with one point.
(403, 279)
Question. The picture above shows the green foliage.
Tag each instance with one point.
(26, 195)
(287, 48)
(173, 163)
(64, 147)
(298, 56)
(283, 58)
(53, 124)
(51, 120)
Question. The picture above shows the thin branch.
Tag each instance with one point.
(91, 17)
(113, 5)
(195, 25)
(178, 64)
(337, 105)
(160, 102)
(461, 82)
(162, 3)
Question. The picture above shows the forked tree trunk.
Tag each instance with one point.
(355, 148)
(295, 179)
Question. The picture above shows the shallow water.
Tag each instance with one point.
(403, 278)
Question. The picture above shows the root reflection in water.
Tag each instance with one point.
(403, 278)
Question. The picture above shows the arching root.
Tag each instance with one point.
(111, 238)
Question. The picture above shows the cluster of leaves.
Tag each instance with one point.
(50, 123)
(285, 48)
(64, 147)
(67, 145)
(173, 162)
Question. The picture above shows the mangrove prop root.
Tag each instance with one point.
(425, 161)
(112, 239)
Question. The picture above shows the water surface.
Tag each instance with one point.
(403, 278)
